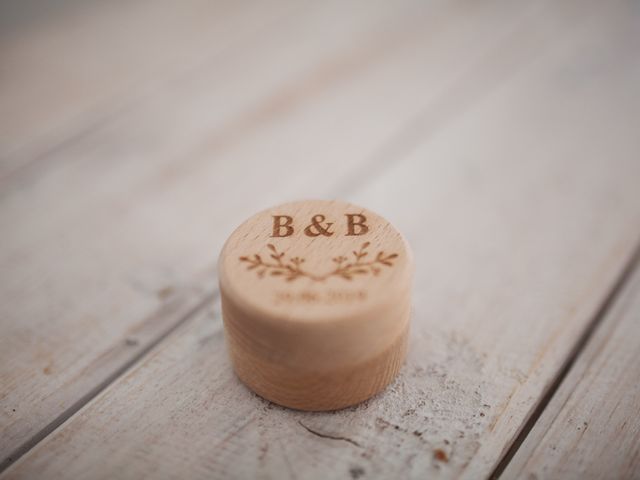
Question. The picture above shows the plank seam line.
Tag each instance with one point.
(85, 399)
(398, 144)
(601, 313)
(210, 297)
(128, 101)
(113, 377)
(450, 105)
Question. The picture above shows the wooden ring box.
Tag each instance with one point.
(316, 301)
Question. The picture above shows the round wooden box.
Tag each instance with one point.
(316, 300)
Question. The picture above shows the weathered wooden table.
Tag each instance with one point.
(503, 138)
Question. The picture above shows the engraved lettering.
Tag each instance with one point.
(316, 228)
(281, 222)
(320, 297)
(356, 224)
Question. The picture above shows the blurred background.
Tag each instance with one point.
(502, 137)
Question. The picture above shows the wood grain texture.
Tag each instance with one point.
(591, 427)
(109, 243)
(498, 204)
(89, 190)
(71, 69)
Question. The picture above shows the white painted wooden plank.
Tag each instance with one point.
(511, 274)
(591, 427)
(106, 252)
(66, 73)
(497, 206)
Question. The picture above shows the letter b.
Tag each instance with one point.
(279, 225)
(356, 224)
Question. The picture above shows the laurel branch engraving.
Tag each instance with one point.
(291, 269)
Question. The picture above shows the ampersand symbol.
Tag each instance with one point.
(316, 228)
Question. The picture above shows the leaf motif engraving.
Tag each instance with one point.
(291, 269)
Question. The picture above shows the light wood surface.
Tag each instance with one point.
(111, 209)
(591, 428)
(500, 138)
(66, 72)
